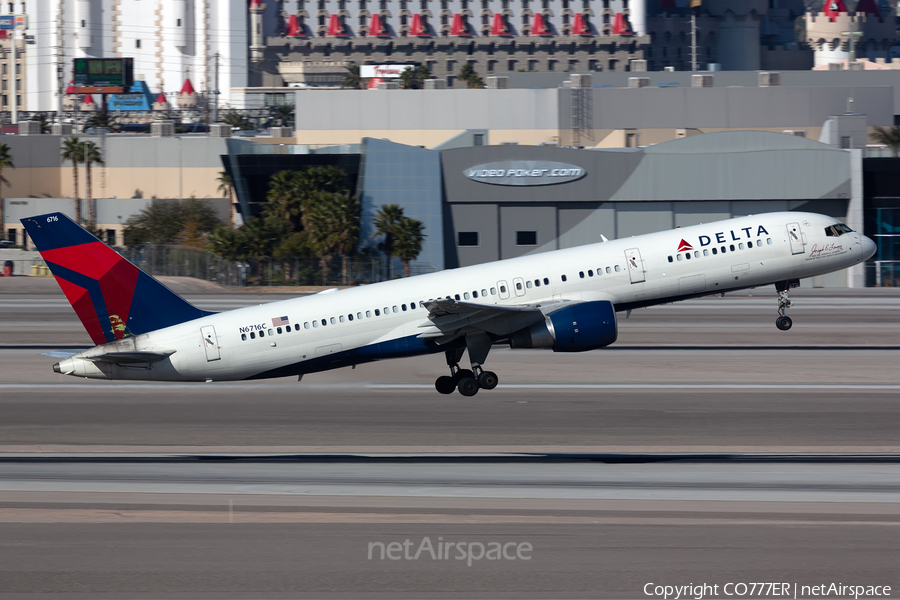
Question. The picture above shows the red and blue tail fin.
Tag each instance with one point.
(112, 297)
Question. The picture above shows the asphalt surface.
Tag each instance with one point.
(214, 515)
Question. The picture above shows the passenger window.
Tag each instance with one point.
(537, 283)
(679, 258)
(723, 249)
(340, 318)
(386, 310)
(671, 259)
(278, 330)
(324, 323)
(518, 286)
(252, 336)
(581, 274)
(749, 244)
(396, 309)
(706, 253)
(297, 326)
(315, 323)
(306, 325)
(494, 290)
(377, 313)
(696, 254)
(617, 268)
(590, 273)
(271, 333)
(715, 251)
(369, 314)
(466, 295)
(600, 270)
(350, 316)
(457, 296)
(474, 294)
(687, 255)
(359, 316)
(769, 241)
(563, 277)
(528, 284)
(332, 320)
(546, 281)
(731, 247)
(243, 337)
(484, 293)
(741, 245)
(412, 306)
(403, 307)
(608, 270)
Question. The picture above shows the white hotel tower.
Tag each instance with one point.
(170, 41)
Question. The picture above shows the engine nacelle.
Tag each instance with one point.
(576, 328)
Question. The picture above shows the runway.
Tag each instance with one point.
(681, 454)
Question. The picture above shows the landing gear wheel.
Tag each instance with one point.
(488, 380)
(783, 323)
(445, 385)
(463, 374)
(468, 386)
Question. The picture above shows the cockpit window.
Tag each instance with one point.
(837, 230)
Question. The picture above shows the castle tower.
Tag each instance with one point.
(829, 32)
(739, 40)
(637, 16)
(257, 39)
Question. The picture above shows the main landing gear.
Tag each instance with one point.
(783, 322)
(468, 381)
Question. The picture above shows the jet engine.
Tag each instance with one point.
(575, 328)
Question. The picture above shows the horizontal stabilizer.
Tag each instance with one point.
(128, 358)
(61, 353)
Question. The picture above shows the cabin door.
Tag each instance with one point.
(210, 343)
(796, 237)
(635, 265)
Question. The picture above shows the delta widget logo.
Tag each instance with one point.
(684, 246)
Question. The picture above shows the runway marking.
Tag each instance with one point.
(88, 515)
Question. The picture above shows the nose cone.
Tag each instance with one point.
(868, 247)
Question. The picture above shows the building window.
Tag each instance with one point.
(137, 43)
(468, 238)
(178, 22)
(846, 142)
(526, 238)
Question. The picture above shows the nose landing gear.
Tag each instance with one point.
(784, 322)
(468, 382)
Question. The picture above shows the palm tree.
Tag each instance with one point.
(101, 120)
(73, 150)
(91, 155)
(6, 161)
(409, 241)
(283, 114)
(227, 187)
(236, 119)
(352, 80)
(284, 198)
(334, 229)
(414, 78)
(889, 136)
(386, 222)
(467, 73)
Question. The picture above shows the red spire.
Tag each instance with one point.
(187, 88)
(667, 4)
(459, 26)
(376, 29)
(335, 28)
(580, 27)
(540, 28)
(499, 27)
(71, 89)
(620, 26)
(833, 8)
(88, 99)
(418, 28)
(869, 7)
(294, 29)
(161, 99)
(255, 3)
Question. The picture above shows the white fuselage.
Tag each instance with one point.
(633, 272)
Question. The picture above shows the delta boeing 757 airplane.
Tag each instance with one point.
(566, 300)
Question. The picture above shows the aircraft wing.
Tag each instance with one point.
(450, 319)
(126, 358)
